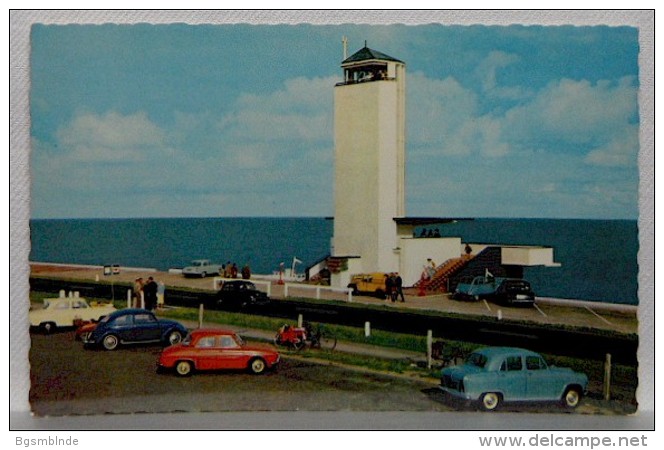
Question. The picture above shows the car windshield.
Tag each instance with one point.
(187, 340)
(104, 319)
(477, 359)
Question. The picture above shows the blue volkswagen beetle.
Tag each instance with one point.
(133, 326)
(494, 375)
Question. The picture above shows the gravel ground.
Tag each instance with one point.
(69, 380)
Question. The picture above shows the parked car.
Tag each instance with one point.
(240, 294)
(506, 291)
(201, 268)
(212, 349)
(67, 312)
(133, 326)
(513, 292)
(368, 283)
(494, 375)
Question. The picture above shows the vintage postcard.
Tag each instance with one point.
(335, 217)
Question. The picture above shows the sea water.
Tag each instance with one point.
(598, 257)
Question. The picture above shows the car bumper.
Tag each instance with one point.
(454, 393)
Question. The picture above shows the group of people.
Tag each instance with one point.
(230, 270)
(394, 287)
(149, 294)
(431, 233)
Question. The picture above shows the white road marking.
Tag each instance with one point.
(486, 304)
(540, 311)
(598, 316)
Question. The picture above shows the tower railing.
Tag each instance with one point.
(347, 82)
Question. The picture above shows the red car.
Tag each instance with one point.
(211, 349)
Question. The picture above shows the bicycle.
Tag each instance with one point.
(297, 338)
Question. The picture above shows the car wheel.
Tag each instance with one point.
(174, 337)
(490, 401)
(203, 274)
(572, 397)
(110, 342)
(257, 366)
(183, 368)
(47, 327)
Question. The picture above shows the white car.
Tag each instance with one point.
(66, 312)
(201, 268)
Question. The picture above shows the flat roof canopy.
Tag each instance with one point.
(418, 221)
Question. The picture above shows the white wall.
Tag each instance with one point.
(342, 279)
(369, 175)
(415, 251)
(528, 256)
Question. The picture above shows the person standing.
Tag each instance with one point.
(150, 292)
(398, 287)
(389, 286)
(161, 292)
(246, 272)
(138, 291)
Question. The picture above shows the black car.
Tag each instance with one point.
(240, 294)
(514, 292)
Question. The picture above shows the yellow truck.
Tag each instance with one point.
(369, 283)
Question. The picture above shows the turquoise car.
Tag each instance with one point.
(494, 375)
(505, 291)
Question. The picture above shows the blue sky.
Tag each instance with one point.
(237, 120)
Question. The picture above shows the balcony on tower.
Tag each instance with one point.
(368, 65)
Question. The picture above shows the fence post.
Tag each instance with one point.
(367, 329)
(128, 298)
(607, 377)
(142, 300)
(429, 348)
(300, 320)
(200, 315)
(318, 293)
(62, 293)
(350, 295)
(285, 290)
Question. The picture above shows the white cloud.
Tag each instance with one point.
(622, 150)
(575, 113)
(487, 69)
(109, 138)
(276, 146)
